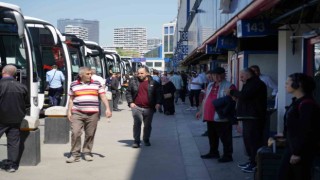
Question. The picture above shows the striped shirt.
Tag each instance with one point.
(86, 96)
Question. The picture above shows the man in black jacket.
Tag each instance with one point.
(115, 91)
(251, 110)
(14, 101)
(144, 96)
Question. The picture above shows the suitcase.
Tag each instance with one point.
(268, 163)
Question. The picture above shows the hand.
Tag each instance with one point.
(70, 116)
(198, 115)
(132, 105)
(108, 113)
(294, 159)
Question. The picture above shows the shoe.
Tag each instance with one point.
(88, 157)
(147, 143)
(243, 165)
(11, 169)
(225, 159)
(135, 145)
(72, 159)
(205, 134)
(250, 168)
(210, 156)
(189, 108)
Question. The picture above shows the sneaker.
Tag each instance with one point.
(243, 165)
(210, 156)
(189, 108)
(11, 169)
(72, 159)
(250, 168)
(147, 143)
(88, 157)
(205, 133)
(194, 109)
(225, 159)
(135, 145)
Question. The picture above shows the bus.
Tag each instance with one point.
(50, 49)
(94, 58)
(16, 49)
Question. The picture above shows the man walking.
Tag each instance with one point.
(144, 96)
(251, 110)
(195, 89)
(14, 101)
(54, 79)
(115, 91)
(83, 113)
(178, 84)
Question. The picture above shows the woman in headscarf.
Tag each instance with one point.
(168, 90)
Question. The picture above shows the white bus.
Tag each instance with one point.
(50, 49)
(16, 48)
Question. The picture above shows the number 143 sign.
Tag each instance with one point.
(253, 28)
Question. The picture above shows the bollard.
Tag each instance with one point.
(57, 126)
(30, 154)
(30, 148)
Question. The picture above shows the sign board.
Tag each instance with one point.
(226, 42)
(212, 49)
(138, 59)
(253, 28)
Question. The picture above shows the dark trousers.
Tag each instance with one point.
(194, 93)
(13, 141)
(224, 132)
(115, 99)
(140, 115)
(55, 96)
(183, 93)
(299, 171)
(213, 138)
(252, 136)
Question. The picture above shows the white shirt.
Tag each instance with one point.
(270, 83)
(196, 86)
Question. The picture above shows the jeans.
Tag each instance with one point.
(140, 115)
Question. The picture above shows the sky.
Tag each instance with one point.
(150, 14)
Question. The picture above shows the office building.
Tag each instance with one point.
(133, 39)
(91, 25)
(80, 32)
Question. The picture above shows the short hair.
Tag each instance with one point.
(83, 69)
(249, 71)
(145, 68)
(255, 67)
(54, 66)
(11, 70)
(304, 81)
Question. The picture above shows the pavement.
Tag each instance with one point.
(174, 154)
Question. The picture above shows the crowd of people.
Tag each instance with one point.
(220, 106)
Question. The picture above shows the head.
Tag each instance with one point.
(164, 80)
(143, 73)
(246, 74)
(209, 76)
(54, 66)
(93, 70)
(219, 74)
(118, 74)
(300, 82)
(155, 72)
(85, 74)
(114, 74)
(193, 73)
(255, 69)
(9, 70)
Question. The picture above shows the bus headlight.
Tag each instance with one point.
(35, 101)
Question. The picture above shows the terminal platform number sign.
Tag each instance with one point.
(253, 28)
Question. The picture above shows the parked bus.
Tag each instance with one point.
(50, 49)
(16, 49)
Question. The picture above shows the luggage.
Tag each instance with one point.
(268, 163)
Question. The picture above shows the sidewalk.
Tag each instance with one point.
(174, 154)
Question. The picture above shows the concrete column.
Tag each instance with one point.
(288, 63)
(57, 126)
(30, 154)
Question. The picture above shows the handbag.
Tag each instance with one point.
(167, 95)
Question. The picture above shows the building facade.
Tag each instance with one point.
(80, 32)
(128, 38)
(91, 25)
(168, 31)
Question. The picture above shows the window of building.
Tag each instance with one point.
(157, 64)
(166, 44)
(149, 64)
(171, 29)
(171, 43)
(166, 30)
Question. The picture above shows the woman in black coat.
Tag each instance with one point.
(301, 129)
(168, 90)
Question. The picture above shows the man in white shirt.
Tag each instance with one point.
(95, 77)
(54, 79)
(195, 89)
